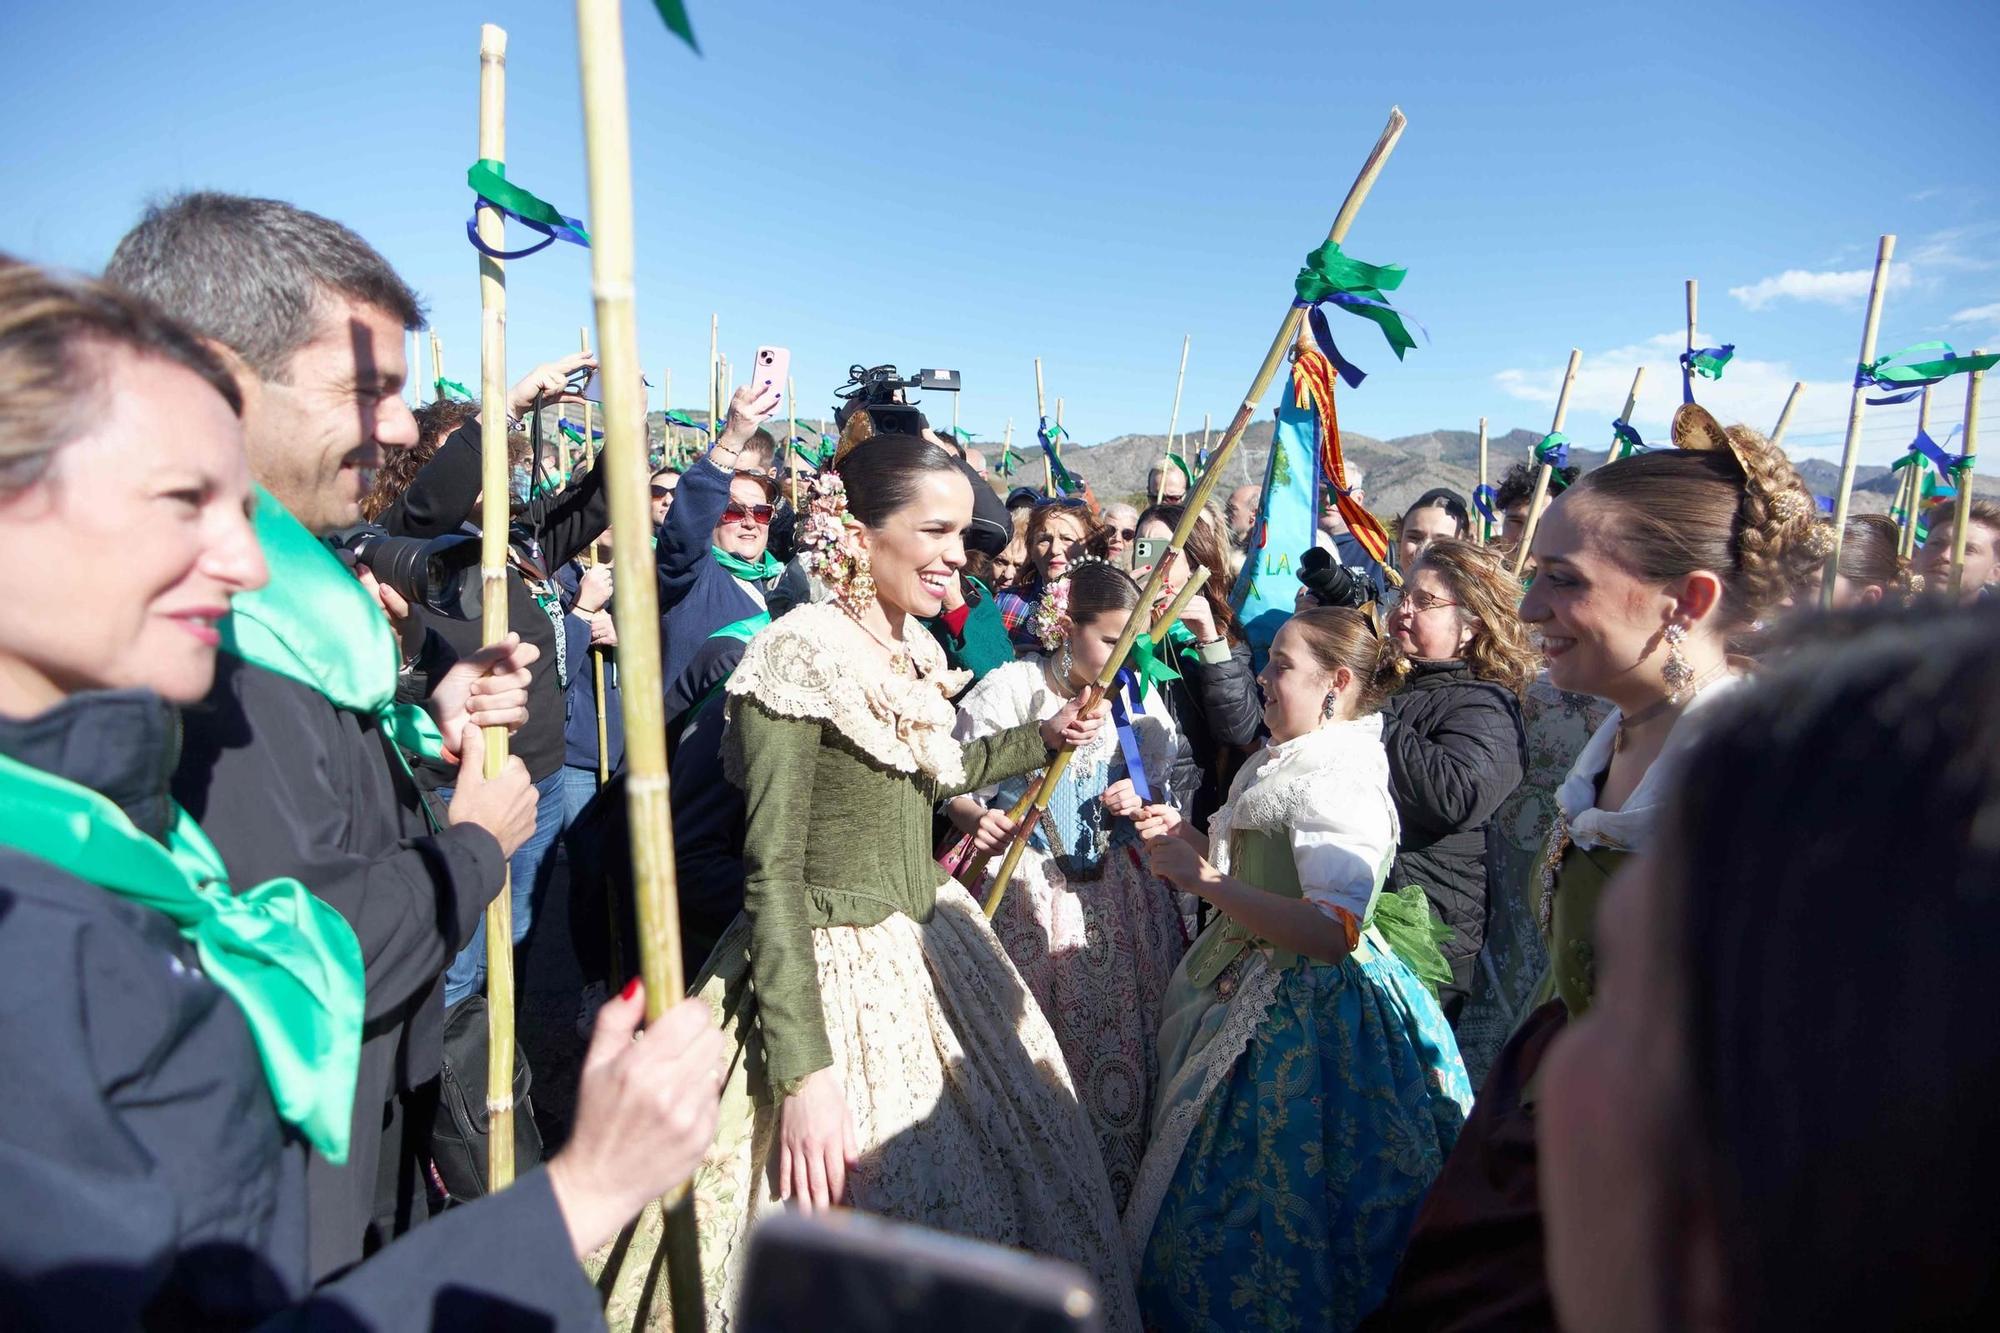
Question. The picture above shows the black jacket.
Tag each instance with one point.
(149, 1182)
(555, 528)
(1457, 749)
(284, 784)
(1219, 709)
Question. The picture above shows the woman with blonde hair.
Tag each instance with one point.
(1456, 745)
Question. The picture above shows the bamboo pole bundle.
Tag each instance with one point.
(493, 525)
(1785, 417)
(607, 139)
(1274, 357)
(1856, 408)
(1962, 508)
(1913, 503)
(1543, 471)
(1484, 535)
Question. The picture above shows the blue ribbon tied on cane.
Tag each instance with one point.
(1908, 371)
(1145, 667)
(492, 189)
(1939, 457)
(1482, 500)
(1627, 437)
(1706, 362)
(1553, 450)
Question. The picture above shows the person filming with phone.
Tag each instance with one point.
(714, 551)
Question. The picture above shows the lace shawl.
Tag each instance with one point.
(815, 662)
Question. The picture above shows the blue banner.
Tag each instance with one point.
(1287, 522)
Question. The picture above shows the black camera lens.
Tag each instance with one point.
(439, 573)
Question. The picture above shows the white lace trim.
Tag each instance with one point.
(1340, 766)
(815, 662)
(1256, 987)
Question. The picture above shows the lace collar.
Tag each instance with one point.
(1280, 778)
(1630, 828)
(814, 662)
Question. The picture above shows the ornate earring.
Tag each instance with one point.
(1326, 710)
(1065, 664)
(855, 588)
(1676, 674)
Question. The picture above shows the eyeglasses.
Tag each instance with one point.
(1423, 601)
(1126, 534)
(736, 513)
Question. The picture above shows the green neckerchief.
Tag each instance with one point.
(289, 961)
(742, 631)
(767, 568)
(314, 623)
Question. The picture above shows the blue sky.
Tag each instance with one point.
(973, 186)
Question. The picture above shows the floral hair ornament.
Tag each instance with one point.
(830, 548)
(1045, 621)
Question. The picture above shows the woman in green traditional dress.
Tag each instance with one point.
(1310, 1087)
(1645, 569)
(888, 1055)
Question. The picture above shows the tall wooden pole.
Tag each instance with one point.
(437, 364)
(714, 377)
(590, 449)
(1631, 405)
(1856, 408)
(1543, 470)
(1785, 417)
(1961, 517)
(493, 525)
(608, 151)
(1180, 379)
(1042, 414)
(791, 429)
(1484, 535)
(1691, 290)
(1281, 345)
(1913, 507)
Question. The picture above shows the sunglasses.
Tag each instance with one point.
(662, 492)
(1063, 502)
(735, 513)
(1126, 534)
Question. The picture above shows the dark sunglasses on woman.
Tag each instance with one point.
(736, 513)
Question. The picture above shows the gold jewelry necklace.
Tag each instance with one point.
(900, 660)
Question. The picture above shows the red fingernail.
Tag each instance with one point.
(631, 989)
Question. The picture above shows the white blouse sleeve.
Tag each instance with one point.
(1342, 836)
(1003, 699)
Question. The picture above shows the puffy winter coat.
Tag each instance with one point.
(1457, 749)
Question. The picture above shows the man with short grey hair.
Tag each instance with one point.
(291, 765)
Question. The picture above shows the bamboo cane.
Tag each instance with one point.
(1484, 535)
(608, 151)
(1688, 370)
(493, 522)
(1631, 405)
(954, 419)
(791, 429)
(1901, 505)
(1785, 417)
(1173, 419)
(1543, 471)
(1007, 445)
(437, 363)
(1281, 344)
(1857, 406)
(1039, 791)
(1059, 429)
(714, 377)
(1042, 415)
(1907, 538)
(590, 451)
(1961, 517)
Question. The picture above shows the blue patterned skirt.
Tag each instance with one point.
(1292, 1195)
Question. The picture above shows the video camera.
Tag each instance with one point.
(439, 573)
(880, 390)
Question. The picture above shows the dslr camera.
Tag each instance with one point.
(1331, 584)
(440, 573)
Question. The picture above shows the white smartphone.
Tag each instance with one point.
(773, 368)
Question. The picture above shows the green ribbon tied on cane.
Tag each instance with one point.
(1147, 663)
(1883, 371)
(314, 623)
(767, 568)
(1358, 288)
(1708, 363)
(1186, 470)
(1553, 450)
(454, 390)
(674, 14)
(488, 180)
(288, 960)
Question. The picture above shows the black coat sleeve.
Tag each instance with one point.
(285, 785)
(503, 1262)
(1229, 697)
(441, 496)
(1455, 754)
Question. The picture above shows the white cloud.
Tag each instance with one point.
(1840, 287)
(1978, 314)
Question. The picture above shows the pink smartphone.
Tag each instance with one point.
(773, 367)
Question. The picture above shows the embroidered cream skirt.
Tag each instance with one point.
(966, 1114)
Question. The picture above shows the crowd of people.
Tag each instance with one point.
(1588, 944)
